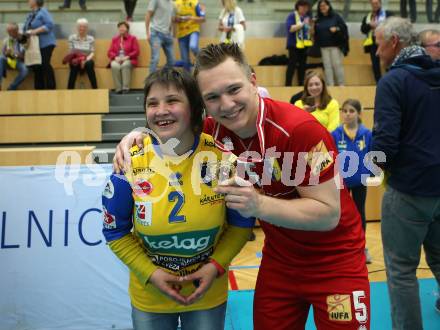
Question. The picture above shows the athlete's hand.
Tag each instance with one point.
(240, 195)
(121, 160)
(202, 279)
(169, 285)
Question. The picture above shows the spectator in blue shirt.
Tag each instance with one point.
(39, 22)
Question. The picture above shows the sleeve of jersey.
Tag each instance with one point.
(314, 154)
(236, 219)
(199, 11)
(118, 205)
(230, 243)
(333, 115)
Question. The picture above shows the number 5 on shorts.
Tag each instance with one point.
(360, 308)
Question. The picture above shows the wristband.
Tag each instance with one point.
(220, 269)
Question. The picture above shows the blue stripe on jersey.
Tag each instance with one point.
(199, 11)
(117, 201)
(236, 219)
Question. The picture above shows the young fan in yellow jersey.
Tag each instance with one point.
(317, 100)
(189, 15)
(163, 219)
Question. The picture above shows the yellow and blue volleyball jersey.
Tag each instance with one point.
(188, 8)
(169, 206)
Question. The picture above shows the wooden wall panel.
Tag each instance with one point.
(54, 102)
(33, 129)
(40, 155)
(373, 203)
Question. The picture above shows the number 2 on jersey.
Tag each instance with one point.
(174, 216)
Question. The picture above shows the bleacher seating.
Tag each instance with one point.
(259, 10)
(98, 10)
(365, 94)
(49, 102)
(50, 128)
(52, 116)
(32, 156)
(357, 64)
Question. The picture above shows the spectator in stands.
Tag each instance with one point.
(189, 16)
(406, 113)
(12, 57)
(130, 6)
(158, 24)
(353, 137)
(39, 22)
(436, 18)
(331, 35)
(316, 100)
(66, 4)
(299, 39)
(123, 54)
(369, 24)
(430, 40)
(82, 52)
(232, 23)
(412, 9)
(295, 97)
(262, 91)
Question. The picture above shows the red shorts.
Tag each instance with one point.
(282, 301)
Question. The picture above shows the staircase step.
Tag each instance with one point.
(116, 137)
(122, 123)
(129, 109)
(130, 99)
(103, 155)
(99, 15)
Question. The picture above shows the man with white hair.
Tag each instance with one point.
(406, 120)
(430, 40)
(12, 56)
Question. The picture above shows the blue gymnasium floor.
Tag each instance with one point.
(239, 313)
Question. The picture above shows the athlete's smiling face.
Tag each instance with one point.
(230, 97)
(169, 115)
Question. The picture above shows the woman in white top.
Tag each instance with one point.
(82, 50)
(232, 23)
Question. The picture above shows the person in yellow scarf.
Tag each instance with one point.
(299, 28)
(189, 15)
(369, 24)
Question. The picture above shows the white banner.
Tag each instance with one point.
(56, 271)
